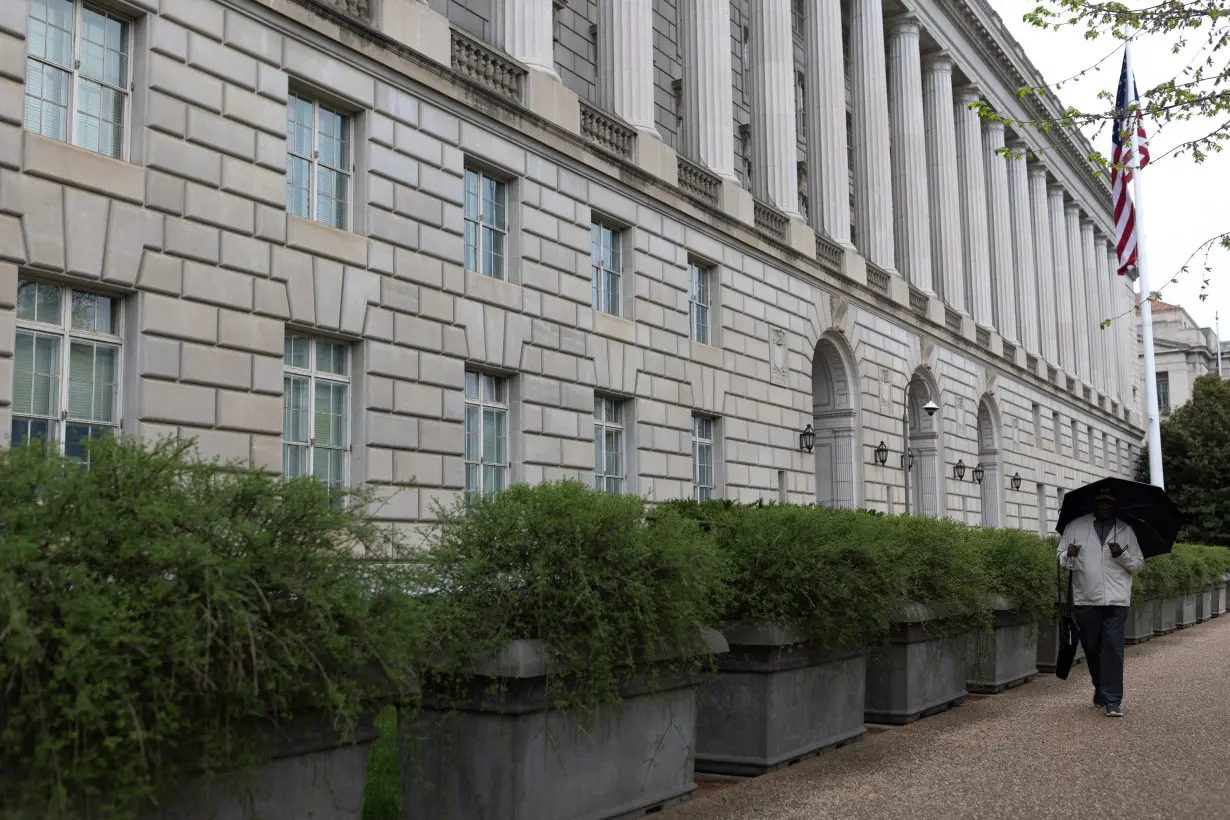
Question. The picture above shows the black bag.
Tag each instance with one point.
(1069, 632)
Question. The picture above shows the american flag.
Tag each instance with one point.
(1121, 170)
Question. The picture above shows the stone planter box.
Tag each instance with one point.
(1219, 600)
(516, 757)
(1139, 626)
(1185, 610)
(312, 774)
(1204, 605)
(1164, 617)
(1048, 646)
(1006, 657)
(920, 672)
(777, 699)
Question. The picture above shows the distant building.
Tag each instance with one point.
(1184, 352)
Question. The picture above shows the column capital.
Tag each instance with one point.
(1017, 146)
(938, 61)
(1087, 223)
(905, 23)
(993, 126)
(967, 93)
(1036, 169)
(1055, 189)
(1071, 208)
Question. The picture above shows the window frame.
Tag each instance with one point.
(1162, 381)
(602, 426)
(64, 332)
(349, 130)
(480, 223)
(483, 403)
(698, 271)
(75, 77)
(314, 374)
(699, 441)
(600, 274)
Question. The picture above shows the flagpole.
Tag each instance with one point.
(1217, 320)
(1154, 433)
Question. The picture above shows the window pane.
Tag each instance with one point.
(493, 202)
(331, 357)
(30, 429)
(471, 479)
(50, 31)
(295, 409)
(473, 442)
(332, 141)
(491, 436)
(26, 294)
(329, 466)
(100, 119)
(296, 353)
(299, 126)
(471, 245)
(77, 437)
(471, 385)
(294, 460)
(94, 313)
(48, 304)
(92, 382)
(494, 478)
(599, 458)
(471, 195)
(298, 186)
(330, 415)
(331, 197)
(36, 375)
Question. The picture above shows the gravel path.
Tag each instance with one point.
(1038, 751)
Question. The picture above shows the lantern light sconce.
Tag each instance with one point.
(807, 439)
(958, 470)
(881, 454)
(978, 473)
(1016, 481)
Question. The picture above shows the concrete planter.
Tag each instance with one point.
(1164, 617)
(778, 698)
(517, 757)
(1219, 600)
(1139, 626)
(920, 672)
(1006, 657)
(1185, 610)
(1048, 646)
(1204, 605)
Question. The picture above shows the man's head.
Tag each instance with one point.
(1104, 504)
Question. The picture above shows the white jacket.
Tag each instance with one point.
(1097, 578)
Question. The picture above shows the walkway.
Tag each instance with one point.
(1038, 751)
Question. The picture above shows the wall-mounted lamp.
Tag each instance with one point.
(881, 454)
(978, 473)
(1016, 481)
(958, 470)
(807, 439)
(907, 459)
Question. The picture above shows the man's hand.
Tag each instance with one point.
(1074, 549)
(1115, 549)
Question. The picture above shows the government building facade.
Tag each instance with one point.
(751, 250)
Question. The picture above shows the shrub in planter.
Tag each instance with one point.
(1188, 569)
(168, 622)
(808, 589)
(569, 629)
(923, 666)
(1021, 570)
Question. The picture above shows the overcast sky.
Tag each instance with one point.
(1185, 203)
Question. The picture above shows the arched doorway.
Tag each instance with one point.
(926, 492)
(988, 459)
(835, 422)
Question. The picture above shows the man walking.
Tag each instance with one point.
(1102, 554)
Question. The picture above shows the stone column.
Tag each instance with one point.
(625, 61)
(973, 207)
(526, 30)
(873, 198)
(1028, 314)
(999, 219)
(1044, 264)
(1080, 302)
(775, 174)
(912, 223)
(1110, 365)
(943, 181)
(708, 95)
(827, 159)
(1063, 277)
(1093, 308)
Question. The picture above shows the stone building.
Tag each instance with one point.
(1183, 352)
(645, 243)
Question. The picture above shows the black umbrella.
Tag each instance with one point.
(1146, 508)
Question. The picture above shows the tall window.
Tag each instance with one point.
(486, 224)
(610, 466)
(607, 266)
(486, 445)
(702, 457)
(1076, 439)
(1163, 392)
(67, 399)
(315, 410)
(1037, 410)
(700, 299)
(1055, 427)
(317, 162)
(77, 75)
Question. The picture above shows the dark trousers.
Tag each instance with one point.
(1102, 637)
